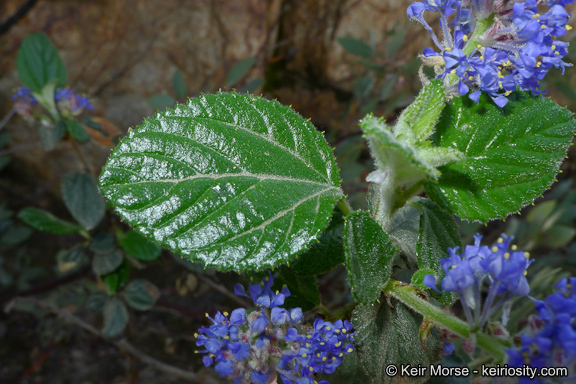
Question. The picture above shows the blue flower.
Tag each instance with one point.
(466, 273)
(25, 95)
(516, 51)
(72, 101)
(549, 340)
(255, 347)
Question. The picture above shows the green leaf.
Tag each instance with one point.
(179, 84)
(252, 86)
(418, 277)
(138, 246)
(96, 301)
(512, 154)
(104, 263)
(115, 317)
(356, 47)
(417, 122)
(327, 253)
(39, 63)
(141, 294)
(46, 222)
(390, 336)
(81, 196)
(161, 102)
(404, 229)
(116, 280)
(438, 232)
(369, 256)
(15, 235)
(303, 289)
(74, 255)
(239, 71)
(76, 130)
(50, 136)
(236, 181)
(103, 243)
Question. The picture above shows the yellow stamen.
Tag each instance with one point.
(500, 240)
(196, 335)
(304, 355)
(465, 38)
(514, 247)
(507, 255)
(453, 71)
(226, 337)
(568, 28)
(350, 350)
(471, 78)
(526, 255)
(543, 26)
(448, 49)
(225, 313)
(494, 249)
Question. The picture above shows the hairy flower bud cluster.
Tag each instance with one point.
(257, 347)
(465, 274)
(516, 50)
(549, 340)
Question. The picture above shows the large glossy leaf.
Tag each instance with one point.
(81, 196)
(39, 63)
(512, 154)
(236, 181)
(389, 335)
(369, 256)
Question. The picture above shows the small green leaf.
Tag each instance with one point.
(96, 301)
(541, 211)
(104, 263)
(46, 222)
(236, 181)
(39, 63)
(76, 130)
(417, 122)
(115, 317)
(327, 253)
(438, 232)
(138, 246)
(15, 235)
(512, 154)
(369, 256)
(252, 86)
(141, 294)
(239, 71)
(388, 335)
(356, 47)
(50, 136)
(161, 102)
(74, 255)
(363, 86)
(179, 84)
(81, 196)
(103, 243)
(116, 280)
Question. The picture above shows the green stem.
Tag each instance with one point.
(408, 295)
(345, 207)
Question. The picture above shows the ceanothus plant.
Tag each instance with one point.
(242, 183)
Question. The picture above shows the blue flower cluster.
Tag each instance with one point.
(66, 98)
(256, 347)
(73, 101)
(516, 50)
(550, 338)
(465, 274)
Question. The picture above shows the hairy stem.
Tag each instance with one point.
(408, 295)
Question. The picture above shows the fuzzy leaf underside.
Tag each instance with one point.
(235, 181)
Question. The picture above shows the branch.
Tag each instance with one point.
(50, 285)
(122, 344)
(20, 13)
